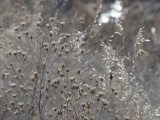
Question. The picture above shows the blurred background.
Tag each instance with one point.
(118, 21)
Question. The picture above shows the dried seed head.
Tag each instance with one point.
(101, 78)
(45, 44)
(100, 94)
(10, 42)
(47, 25)
(23, 54)
(44, 63)
(17, 77)
(51, 19)
(72, 78)
(53, 43)
(38, 23)
(92, 89)
(63, 65)
(26, 33)
(18, 69)
(78, 71)
(116, 93)
(69, 93)
(35, 74)
(117, 118)
(104, 102)
(67, 70)
(14, 95)
(113, 89)
(51, 33)
(19, 37)
(14, 53)
(64, 85)
(32, 77)
(23, 23)
(126, 118)
(83, 104)
(66, 51)
(16, 29)
(62, 24)
(22, 75)
(59, 112)
(109, 110)
(31, 37)
(13, 85)
(82, 50)
(64, 106)
(67, 35)
(20, 104)
(62, 75)
(75, 86)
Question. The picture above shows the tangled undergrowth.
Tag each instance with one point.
(49, 71)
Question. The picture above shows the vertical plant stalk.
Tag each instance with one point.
(67, 97)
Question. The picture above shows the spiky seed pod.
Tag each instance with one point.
(116, 93)
(20, 104)
(92, 89)
(31, 37)
(69, 93)
(66, 51)
(18, 69)
(64, 106)
(35, 74)
(23, 54)
(13, 85)
(62, 24)
(22, 75)
(67, 35)
(55, 50)
(17, 77)
(19, 37)
(64, 85)
(51, 19)
(10, 42)
(62, 75)
(72, 78)
(14, 53)
(47, 25)
(67, 70)
(75, 86)
(14, 95)
(100, 94)
(32, 77)
(51, 33)
(82, 51)
(109, 110)
(62, 65)
(104, 102)
(117, 118)
(44, 63)
(12, 102)
(62, 47)
(101, 78)
(16, 29)
(23, 23)
(53, 43)
(83, 104)
(78, 71)
(59, 112)
(113, 89)
(38, 23)
(26, 33)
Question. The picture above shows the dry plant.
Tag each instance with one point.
(48, 72)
